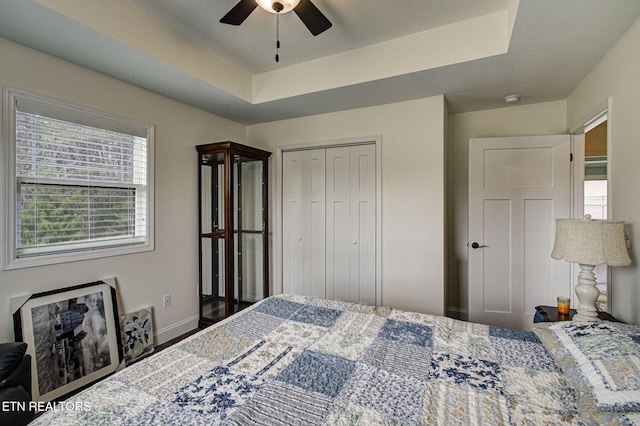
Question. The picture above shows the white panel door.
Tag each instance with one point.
(518, 186)
(303, 234)
(351, 223)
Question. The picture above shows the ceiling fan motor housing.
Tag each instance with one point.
(278, 6)
(309, 14)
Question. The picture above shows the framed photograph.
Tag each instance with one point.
(137, 335)
(73, 337)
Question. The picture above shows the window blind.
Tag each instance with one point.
(78, 186)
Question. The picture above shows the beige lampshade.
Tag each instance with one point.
(591, 241)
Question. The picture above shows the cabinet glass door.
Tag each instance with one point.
(212, 278)
(249, 231)
(212, 288)
(212, 193)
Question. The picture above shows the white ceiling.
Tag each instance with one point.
(475, 52)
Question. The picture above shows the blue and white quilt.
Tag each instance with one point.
(294, 360)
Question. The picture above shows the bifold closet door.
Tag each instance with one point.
(304, 221)
(329, 220)
(351, 223)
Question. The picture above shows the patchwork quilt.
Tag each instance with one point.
(293, 360)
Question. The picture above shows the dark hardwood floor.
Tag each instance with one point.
(213, 307)
(175, 340)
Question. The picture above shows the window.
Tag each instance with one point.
(79, 182)
(595, 198)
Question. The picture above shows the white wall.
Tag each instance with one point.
(412, 135)
(142, 278)
(539, 119)
(617, 76)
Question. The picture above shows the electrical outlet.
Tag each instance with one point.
(166, 300)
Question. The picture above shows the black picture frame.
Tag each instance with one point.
(73, 337)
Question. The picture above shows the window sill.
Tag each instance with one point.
(52, 259)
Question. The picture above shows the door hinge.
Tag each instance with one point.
(571, 157)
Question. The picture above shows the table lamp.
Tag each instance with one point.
(589, 242)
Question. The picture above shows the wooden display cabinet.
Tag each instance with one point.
(233, 227)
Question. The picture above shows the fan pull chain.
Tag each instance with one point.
(277, 36)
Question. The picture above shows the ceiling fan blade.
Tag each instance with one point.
(239, 13)
(311, 17)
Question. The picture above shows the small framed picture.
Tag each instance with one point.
(137, 335)
(73, 337)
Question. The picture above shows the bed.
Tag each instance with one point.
(305, 361)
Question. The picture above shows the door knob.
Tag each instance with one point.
(475, 245)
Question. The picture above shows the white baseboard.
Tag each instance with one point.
(458, 313)
(175, 330)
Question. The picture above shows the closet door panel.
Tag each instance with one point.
(351, 222)
(314, 216)
(338, 224)
(304, 222)
(292, 208)
(363, 223)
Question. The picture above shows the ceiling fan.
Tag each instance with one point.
(308, 13)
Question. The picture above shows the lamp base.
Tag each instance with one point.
(587, 293)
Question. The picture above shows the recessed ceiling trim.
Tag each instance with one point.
(464, 41)
(125, 23)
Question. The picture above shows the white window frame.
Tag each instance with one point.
(76, 114)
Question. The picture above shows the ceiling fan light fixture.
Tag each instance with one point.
(278, 6)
